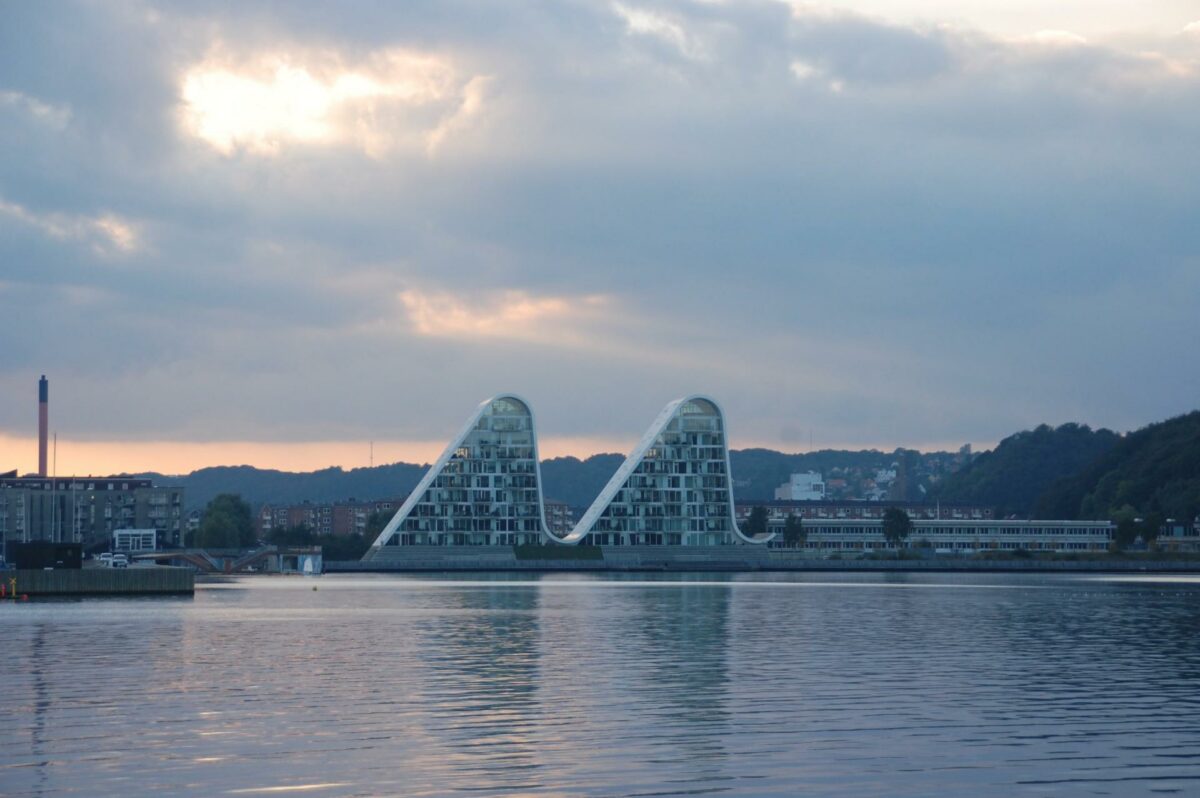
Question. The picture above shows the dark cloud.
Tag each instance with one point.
(890, 234)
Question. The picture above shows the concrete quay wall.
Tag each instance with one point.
(100, 582)
(726, 558)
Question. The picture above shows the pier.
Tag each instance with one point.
(98, 582)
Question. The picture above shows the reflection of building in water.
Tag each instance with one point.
(642, 686)
(479, 670)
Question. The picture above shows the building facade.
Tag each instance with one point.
(335, 518)
(778, 511)
(134, 540)
(484, 489)
(837, 535)
(808, 486)
(674, 489)
(1179, 536)
(88, 509)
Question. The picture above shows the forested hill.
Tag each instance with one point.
(1070, 471)
(757, 472)
(259, 486)
(564, 479)
(577, 482)
(1155, 470)
(1019, 470)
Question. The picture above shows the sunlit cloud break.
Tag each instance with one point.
(55, 116)
(648, 23)
(106, 233)
(504, 314)
(391, 99)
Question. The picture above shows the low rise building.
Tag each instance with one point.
(778, 511)
(1179, 536)
(808, 486)
(827, 536)
(134, 540)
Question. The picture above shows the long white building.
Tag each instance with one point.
(965, 536)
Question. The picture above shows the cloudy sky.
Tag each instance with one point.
(270, 233)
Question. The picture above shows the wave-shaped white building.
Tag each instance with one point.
(484, 490)
(675, 488)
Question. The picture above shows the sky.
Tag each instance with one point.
(272, 233)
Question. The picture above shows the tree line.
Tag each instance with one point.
(228, 523)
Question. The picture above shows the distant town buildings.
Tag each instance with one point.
(808, 486)
(778, 511)
(88, 510)
(85, 510)
(333, 518)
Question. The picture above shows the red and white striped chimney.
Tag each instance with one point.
(43, 422)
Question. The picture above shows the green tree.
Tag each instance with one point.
(298, 535)
(376, 521)
(226, 524)
(793, 532)
(344, 547)
(1125, 534)
(756, 524)
(1150, 527)
(896, 526)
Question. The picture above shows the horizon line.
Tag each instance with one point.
(180, 458)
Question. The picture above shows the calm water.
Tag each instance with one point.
(860, 685)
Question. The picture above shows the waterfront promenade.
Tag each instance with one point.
(417, 559)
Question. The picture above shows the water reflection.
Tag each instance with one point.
(897, 685)
(478, 669)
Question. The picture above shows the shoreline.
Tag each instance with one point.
(695, 564)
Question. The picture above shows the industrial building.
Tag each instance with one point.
(87, 510)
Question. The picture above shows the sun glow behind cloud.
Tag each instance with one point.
(107, 234)
(391, 99)
(505, 314)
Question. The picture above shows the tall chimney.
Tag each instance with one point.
(43, 422)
